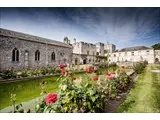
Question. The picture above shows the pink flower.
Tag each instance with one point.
(51, 98)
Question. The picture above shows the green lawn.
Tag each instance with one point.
(25, 90)
(145, 96)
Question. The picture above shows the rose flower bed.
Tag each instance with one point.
(88, 95)
(83, 95)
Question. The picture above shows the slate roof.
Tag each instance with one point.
(33, 38)
(134, 48)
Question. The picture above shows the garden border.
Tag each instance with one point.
(32, 77)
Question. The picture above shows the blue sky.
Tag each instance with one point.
(123, 27)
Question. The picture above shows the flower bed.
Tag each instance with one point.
(87, 94)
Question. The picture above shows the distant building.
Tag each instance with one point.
(157, 56)
(86, 53)
(133, 54)
(109, 48)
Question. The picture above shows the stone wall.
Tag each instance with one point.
(7, 44)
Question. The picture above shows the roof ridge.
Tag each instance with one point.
(31, 37)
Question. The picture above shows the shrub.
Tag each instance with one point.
(8, 74)
(85, 96)
(122, 80)
(103, 65)
(139, 67)
(113, 65)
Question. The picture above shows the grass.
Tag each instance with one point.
(25, 90)
(145, 96)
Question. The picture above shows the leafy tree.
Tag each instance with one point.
(156, 46)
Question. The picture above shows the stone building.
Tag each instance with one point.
(86, 53)
(109, 48)
(83, 53)
(133, 54)
(20, 51)
(157, 56)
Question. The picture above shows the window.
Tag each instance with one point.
(132, 53)
(53, 56)
(15, 55)
(114, 55)
(97, 53)
(87, 52)
(37, 55)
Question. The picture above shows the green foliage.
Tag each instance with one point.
(17, 108)
(122, 80)
(139, 67)
(8, 74)
(113, 66)
(103, 65)
(83, 96)
(109, 88)
(156, 46)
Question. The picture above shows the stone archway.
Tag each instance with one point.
(156, 60)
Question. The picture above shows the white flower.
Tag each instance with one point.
(19, 73)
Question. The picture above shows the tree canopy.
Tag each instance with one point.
(156, 46)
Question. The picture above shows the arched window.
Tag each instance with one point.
(15, 55)
(53, 56)
(37, 55)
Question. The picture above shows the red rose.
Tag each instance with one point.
(89, 69)
(51, 98)
(64, 72)
(110, 78)
(95, 78)
(62, 66)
